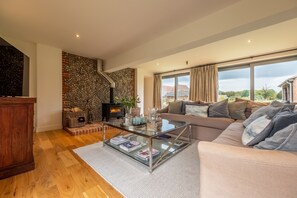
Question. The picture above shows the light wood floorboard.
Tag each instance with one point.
(59, 172)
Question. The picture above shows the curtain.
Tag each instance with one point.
(204, 83)
(157, 91)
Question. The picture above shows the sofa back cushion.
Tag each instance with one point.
(251, 106)
(282, 120)
(175, 107)
(266, 110)
(285, 139)
(237, 110)
(197, 110)
(219, 109)
(184, 103)
(257, 131)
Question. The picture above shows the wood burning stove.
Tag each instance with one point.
(112, 110)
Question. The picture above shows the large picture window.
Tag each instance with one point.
(263, 81)
(275, 81)
(234, 83)
(175, 87)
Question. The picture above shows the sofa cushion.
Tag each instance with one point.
(275, 103)
(231, 135)
(282, 120)
(216, 123)
(251, 105)
(257, 131)
(219, 109)
(197, 110)
(237, 110)
(175, 107)
(266, 110)
(285, 139)
(184, 103)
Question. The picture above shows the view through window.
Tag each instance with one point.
(275, 80)
(175, 88)
(234, 83)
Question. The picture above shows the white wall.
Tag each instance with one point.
(49, 88)
(140, 88)
(148, 93)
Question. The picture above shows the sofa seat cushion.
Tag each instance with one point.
(217, 123)
(232, 135)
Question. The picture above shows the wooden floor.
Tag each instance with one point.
(59, 172)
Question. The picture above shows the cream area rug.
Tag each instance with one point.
(176, 178)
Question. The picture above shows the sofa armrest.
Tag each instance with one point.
(230, 171)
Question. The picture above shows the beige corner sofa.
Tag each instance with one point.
(230, 170)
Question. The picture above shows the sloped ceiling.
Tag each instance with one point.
(131, 33)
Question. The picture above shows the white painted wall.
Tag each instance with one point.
(148, 93)
(140, 88)
(49, 88)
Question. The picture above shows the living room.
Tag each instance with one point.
(251, 44)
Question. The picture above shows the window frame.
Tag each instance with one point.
(175, 76)
(252, 70)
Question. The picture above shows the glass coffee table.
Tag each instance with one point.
(155, 145)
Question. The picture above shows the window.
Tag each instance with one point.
(234, 83)
(175, 87)
(275, 81)
(263, 81)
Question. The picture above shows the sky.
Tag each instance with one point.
(270, 75)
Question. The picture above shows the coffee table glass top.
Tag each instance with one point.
(146, 130)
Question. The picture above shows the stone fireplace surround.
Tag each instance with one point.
(83, 87)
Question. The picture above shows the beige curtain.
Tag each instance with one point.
(204, 83)
(157, 91)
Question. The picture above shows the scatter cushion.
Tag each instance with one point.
(257, 131)
(197, 110)
(184, 103)
(175, 107)
(219, 109)
(237, 110)
(275, 103)
(266, 110)
(250, 106)
(282, 120)
(285, 139)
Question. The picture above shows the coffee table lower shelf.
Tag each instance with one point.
(166, 147)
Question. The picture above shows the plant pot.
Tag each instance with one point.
(135, 111)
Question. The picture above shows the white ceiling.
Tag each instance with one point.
(106, 27)
(279, 37)
(142, 33)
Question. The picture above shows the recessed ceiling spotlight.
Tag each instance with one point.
(77, 36)
(249, 41)
(187, 62)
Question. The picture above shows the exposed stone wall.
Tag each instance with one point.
(83, 87)
(11, 71)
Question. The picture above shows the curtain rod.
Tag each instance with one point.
(229, 61)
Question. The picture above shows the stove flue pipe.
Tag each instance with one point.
(112, 83)
(100, 71)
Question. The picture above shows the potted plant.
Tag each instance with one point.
(130, 104)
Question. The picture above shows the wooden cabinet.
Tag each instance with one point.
(16, 135)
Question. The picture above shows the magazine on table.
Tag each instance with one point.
(118, 140)
(144, 153)
(130, 146)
